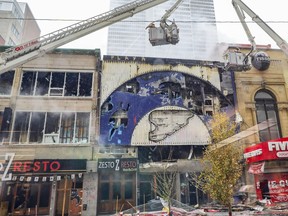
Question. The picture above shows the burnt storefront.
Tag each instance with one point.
(162, 109)
(268, 163)
(41, 186)
(117, 184)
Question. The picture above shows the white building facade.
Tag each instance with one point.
(18, 24)
(197, 30)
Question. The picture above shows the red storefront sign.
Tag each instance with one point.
(274, 186)
(270, 150)
(33, 170)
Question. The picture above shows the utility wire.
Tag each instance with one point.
(131, 21)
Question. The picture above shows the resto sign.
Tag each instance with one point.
(11, 169)
(118, 164)
(270, 150)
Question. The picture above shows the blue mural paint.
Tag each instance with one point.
(155, 90)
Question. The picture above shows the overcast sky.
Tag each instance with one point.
(270, 11)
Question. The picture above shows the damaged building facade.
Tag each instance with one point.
(90, 134)
(48, 121)
(157, 110)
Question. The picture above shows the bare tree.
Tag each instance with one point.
(164, 183)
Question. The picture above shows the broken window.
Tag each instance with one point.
(67, 128)
(6, 81)
(71, 84)
(28, 82)
(52, 128)
(74, 128)
(208, 102)
(85, 84)
(37, 127)
(5, 120)
(20, 130)
(56, 84)
(82, 127)
(107, 106)
(41, 127)
(43, 82)
(132, 86)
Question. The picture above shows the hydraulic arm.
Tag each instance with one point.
(238, 61)
(23, 53)
(240, 7)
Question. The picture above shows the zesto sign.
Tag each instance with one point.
(271, 150)
(118, 164)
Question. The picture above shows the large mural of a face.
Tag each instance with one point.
(152, 108)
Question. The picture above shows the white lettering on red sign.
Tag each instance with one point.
(278, 146)
(253, 153)
(281, 183)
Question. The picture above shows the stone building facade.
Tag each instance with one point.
(91, 133)
(262, 100)
(48, 128)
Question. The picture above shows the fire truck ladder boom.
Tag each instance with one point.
(239, 6)
(171, 10)
(20, 54)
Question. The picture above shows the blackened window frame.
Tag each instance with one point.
(6, 83)
(41, 83)
(50, 125)
(266, 100)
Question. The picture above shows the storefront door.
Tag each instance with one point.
(117, 191)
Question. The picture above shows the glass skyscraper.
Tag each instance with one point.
(197, 30)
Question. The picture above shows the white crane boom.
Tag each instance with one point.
(20, 54)
(170, 11)
(239, 6)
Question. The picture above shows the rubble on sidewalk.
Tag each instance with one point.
(156, 208)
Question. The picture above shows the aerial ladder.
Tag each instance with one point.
(20, 54)
(239, 61)
(165, 33)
